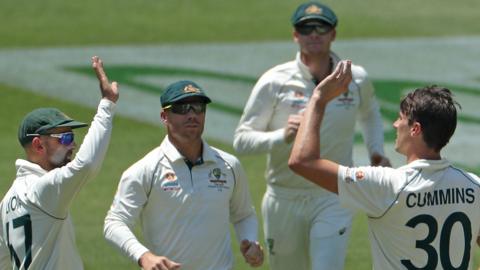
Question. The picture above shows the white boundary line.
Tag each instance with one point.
(441, 60)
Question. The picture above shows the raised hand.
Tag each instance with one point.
(109, 91)
(336, 83)
(252, 252)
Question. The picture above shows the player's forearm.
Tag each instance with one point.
(118, 234)
(306, 147)
(247, 228)
(305, 159)
(256, 142)
(60, 186)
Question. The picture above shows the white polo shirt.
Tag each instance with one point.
(185, 213)
(35, 211)
(425, 214)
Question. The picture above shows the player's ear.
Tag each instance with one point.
(163, 116)
(334, 34)
(36, 146)
(295, 36)
(416, 129)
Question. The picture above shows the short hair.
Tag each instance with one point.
(435, 109)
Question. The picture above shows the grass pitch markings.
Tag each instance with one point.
(228, 72)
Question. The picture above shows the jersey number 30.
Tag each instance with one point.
(25, 222)
(445, 234)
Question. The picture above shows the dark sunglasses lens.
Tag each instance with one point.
(67, 138)
(322, 29)
(304, 29)
(185, 108)
(308, 29)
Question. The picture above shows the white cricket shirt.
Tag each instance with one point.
(185, 214)
(424, 214)
(285, 90)
(36, 225)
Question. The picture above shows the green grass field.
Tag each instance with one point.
(55, 23)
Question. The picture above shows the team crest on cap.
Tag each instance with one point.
(217, 179)
(191, 89)
(313, 9)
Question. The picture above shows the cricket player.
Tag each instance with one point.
(186, 193)
(37, 230)
(424, 215)
(318, 228)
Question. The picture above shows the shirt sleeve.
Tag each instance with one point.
(369, 118)
(368, 189)
(242, 212)
(55, 190)
(252, 135)
(128, 203)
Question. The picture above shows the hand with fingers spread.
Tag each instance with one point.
(150, 261)
(336, 83)
(291, 127)
(252, 252)
(109, 91)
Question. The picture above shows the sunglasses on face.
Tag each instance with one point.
(184, 108)
(65, 138)
(307, 29)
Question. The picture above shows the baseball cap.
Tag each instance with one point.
(314, 11)
(180, 90)
(41, 120)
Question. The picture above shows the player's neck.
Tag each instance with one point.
(191, 150)
(428, 154)
(319, 65)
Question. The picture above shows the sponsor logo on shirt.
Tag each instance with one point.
(359, 175)
(170, 182)
(298, 99)
(346, 100)
(353, 175)
(218, 179)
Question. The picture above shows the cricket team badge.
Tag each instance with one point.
(313, 9)
(191, 89)
(217, 179)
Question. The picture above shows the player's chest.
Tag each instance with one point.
(293, 97)
(196, 185)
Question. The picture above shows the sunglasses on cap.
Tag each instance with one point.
(307, 29)
(65, 138)
(184, 108)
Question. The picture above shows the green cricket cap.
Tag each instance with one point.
(181, 90)
(312, 11)
(40, 121)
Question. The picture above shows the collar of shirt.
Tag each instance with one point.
(305, 71)
(25, 167)
(172, 153)
(427, 164)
